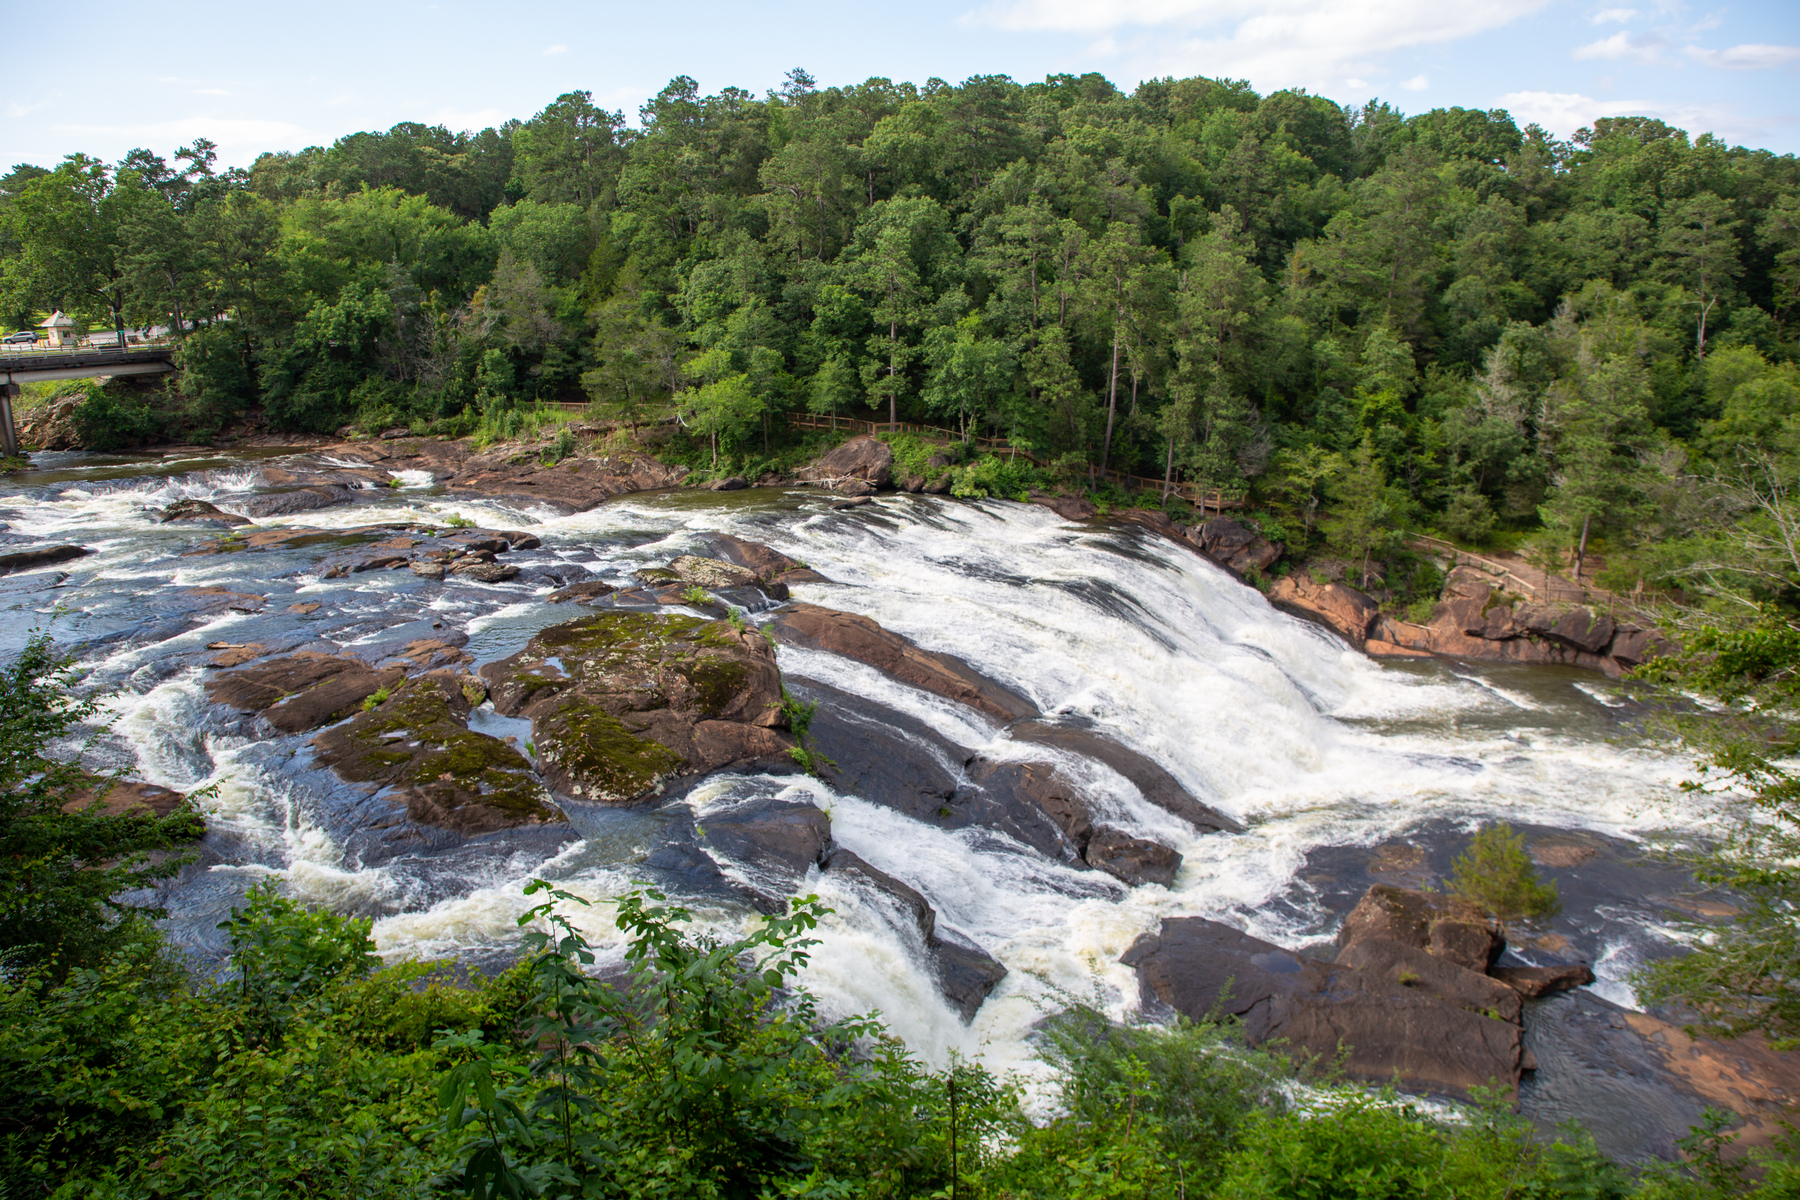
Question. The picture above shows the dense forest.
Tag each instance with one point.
(1366, 323)
(1473, 326)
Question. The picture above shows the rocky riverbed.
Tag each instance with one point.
(1056, 755)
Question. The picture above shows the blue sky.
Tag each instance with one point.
(280, 76)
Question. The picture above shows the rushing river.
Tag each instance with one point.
(1330, 760)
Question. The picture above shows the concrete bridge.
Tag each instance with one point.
(31, 365)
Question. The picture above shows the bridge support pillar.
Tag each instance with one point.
(9, 433)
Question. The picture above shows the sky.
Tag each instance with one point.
(256, 77)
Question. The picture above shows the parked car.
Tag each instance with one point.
(24, 337)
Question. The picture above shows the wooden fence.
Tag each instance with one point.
(1557, 591)
(1212, 499)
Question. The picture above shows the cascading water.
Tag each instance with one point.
(1319, 752)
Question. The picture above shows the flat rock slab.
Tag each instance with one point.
(860, 638)
(301, 691)
(1533, 982)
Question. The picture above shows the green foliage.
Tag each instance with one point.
(696, 595)
(1496, 876)
(284, 955)
(61, 872)
(115, 417)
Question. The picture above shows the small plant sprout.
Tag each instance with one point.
(696, 595)
(376, 700)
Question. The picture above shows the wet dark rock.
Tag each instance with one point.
(1156, 784)
(772, 841)
(885, 757)
(855, 502)
(861, 458)
(1428, 921)
(199, 512)
(383, 562)
(1533, 982)
(284, 504)
(911, 483)
(938, 487)
(734, 483)
(965, 973)
(860, 638)
(1131, 860)
(235, 654)
(587, 589)
(1383, 1027)
(41, 556)
(620, 701)
(301, 691)
(442, 772)
(482, 572)
(1432, 975)
(427, 570)
(860, 491)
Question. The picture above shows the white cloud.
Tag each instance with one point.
(1752, 57)
(1621, 15)
(1562, 113)
(20, 109)
(1273, 43)
(1417, 83)
(553, 51)
(240, 139)
(1358, 84)
(211, 92)
(1641, 47)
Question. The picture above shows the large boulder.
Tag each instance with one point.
(199, 512)
(860, 638)
(1340, 607)
(444, 774)
(621, 701)
(1378, 1021)
(1234, 545)
(864, 458)
(1426, 921)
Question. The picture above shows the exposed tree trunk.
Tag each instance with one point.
(1112, 399)
(1581, 549)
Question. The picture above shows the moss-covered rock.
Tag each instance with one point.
(445, 773)
(620, 701)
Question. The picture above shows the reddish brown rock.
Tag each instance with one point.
(1344, 609)
(1433, 975)
(1069, 508)
(1427, 921)
(1131, 860)
(123, 798)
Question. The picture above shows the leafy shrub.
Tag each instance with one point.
(1496, 875)
(115, 418)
